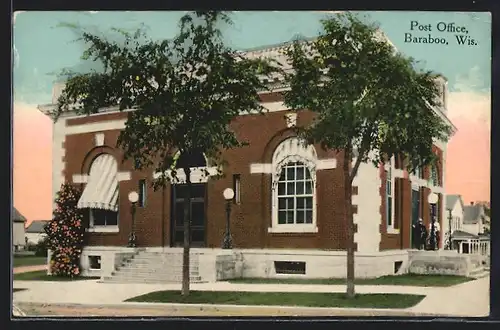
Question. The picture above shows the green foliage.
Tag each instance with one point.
(186, 91)
(368, 99)
(65, 233)
(41, 247)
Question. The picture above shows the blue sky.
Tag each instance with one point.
(41, 47)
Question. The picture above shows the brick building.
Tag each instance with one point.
(287, 205)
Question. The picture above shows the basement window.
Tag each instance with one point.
(290, 267)
(95, 262)
(397, 266)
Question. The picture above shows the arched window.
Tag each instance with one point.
(293, 189)
(100, 195)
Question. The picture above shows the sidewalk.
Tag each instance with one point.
(468, 299)
(25, 269)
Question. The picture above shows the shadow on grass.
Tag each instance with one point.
(41, 275)
(406, 280)
(303, 299)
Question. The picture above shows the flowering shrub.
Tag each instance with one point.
(66, 233)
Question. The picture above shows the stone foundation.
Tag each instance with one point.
(219, 265)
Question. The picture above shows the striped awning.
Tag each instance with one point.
(101, 191)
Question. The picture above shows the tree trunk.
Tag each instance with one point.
(187, 235)
(350, 292)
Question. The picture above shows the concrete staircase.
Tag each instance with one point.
(479, 271)
(154, 267)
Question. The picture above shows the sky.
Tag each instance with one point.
(42, 47)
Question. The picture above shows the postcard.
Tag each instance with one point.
(251, 163)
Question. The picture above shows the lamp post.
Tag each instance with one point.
(228, 196)
(450, 247)
(433, 199)
(133, 197)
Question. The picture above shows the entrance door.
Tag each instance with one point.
(198, 225)
(415, 207)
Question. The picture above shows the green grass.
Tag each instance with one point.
(41, 275)
(407, 279)
(309, 299)
(29, 261)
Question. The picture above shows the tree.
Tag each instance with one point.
(65, 233)
(185, 92)
(370, 103)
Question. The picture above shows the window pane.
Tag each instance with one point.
(309, 217)
(198, 236)
(309, 203)
(290, 188)
(281, 217)
(98, 217)
(289, 217)
(300, 216)
(282, 175)
(197, 213)
(309, 187)
(300, 173)
(179, 213)
(301, 203)
(300, 188)
(308, 174)
(281, 203)
(290, 203)
(281, 189)
(290, 173)
(111, 218)
(389, 211)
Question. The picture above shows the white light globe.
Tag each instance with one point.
(133, 197)
(228, 194)
(433, 198)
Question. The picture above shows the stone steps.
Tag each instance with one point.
(154, 267)
(479, 272)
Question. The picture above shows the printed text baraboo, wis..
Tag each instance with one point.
(440, 34)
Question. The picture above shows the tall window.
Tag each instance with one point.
(293, 187)
(434, 177)
(142, 193)
(389, 188)
(101, 194)
(295, 195)
(237, 188)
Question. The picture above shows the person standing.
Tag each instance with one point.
(437, 232)
(422, 234)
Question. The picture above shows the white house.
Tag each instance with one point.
(467, 226)
(18, 223)
(35, 232)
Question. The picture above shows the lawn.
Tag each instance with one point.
(407, 279)
(41, 275)
(29, 261)
(305, 299)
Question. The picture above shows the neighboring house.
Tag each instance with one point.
(288, 197)
(456, 205)
(18, 224)
(468, 225)
(35, 231)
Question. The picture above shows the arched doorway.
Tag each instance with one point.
(195, 161)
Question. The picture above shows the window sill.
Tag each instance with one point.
(103, 229)
(293, 229)
(392, 231)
